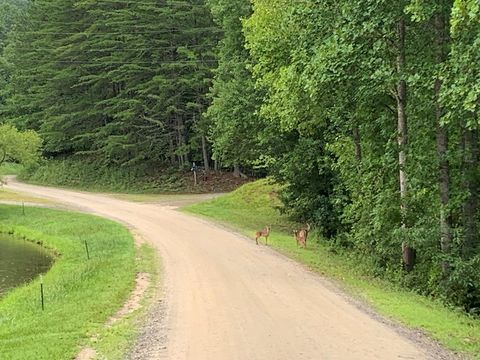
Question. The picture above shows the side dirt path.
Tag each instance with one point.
(142, 282)
(226, 298)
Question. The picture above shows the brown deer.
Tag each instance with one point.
(265, 233)
(301, 236)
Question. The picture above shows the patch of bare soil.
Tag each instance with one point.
(142, 282)
(138, 238)
(214, 182)
(133, 303)
(86, 354)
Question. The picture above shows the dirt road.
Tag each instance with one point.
(227, 298)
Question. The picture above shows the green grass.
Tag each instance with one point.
(255, 205)
(249, 208)
(10, 169)
(117, 339)
(154, 198)
(80, 294)
(11, 196)
(6, 195)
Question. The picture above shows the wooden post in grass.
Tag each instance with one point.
(23, 208)
(41, 292)
(194, 169)
(86, 248)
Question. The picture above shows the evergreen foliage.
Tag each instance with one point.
(121, 82)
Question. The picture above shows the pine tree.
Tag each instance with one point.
(120, 83)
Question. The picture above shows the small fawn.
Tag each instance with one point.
(301, 236)
(265, 232)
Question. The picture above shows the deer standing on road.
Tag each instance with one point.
(301, 236)
(265, 232)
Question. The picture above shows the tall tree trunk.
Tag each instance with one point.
(444, 188)
(402, 114)
(206, 162)
(181, 141)
(408, 253)
(358, 142)
(173, 160)
(442, 146)
(470, 207)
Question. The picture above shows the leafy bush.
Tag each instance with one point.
(463, 285)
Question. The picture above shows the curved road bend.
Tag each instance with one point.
(228, 299)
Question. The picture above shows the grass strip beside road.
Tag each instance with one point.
(15, 197)
(255, 205)
(80, 294)
(10, 169)
(11, 196)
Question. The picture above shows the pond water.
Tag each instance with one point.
(20, 262)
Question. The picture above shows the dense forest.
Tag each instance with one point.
(367, 111)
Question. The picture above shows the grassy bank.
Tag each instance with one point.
(91, 176)
(10, 169)
(255, 205)
(80, 294)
